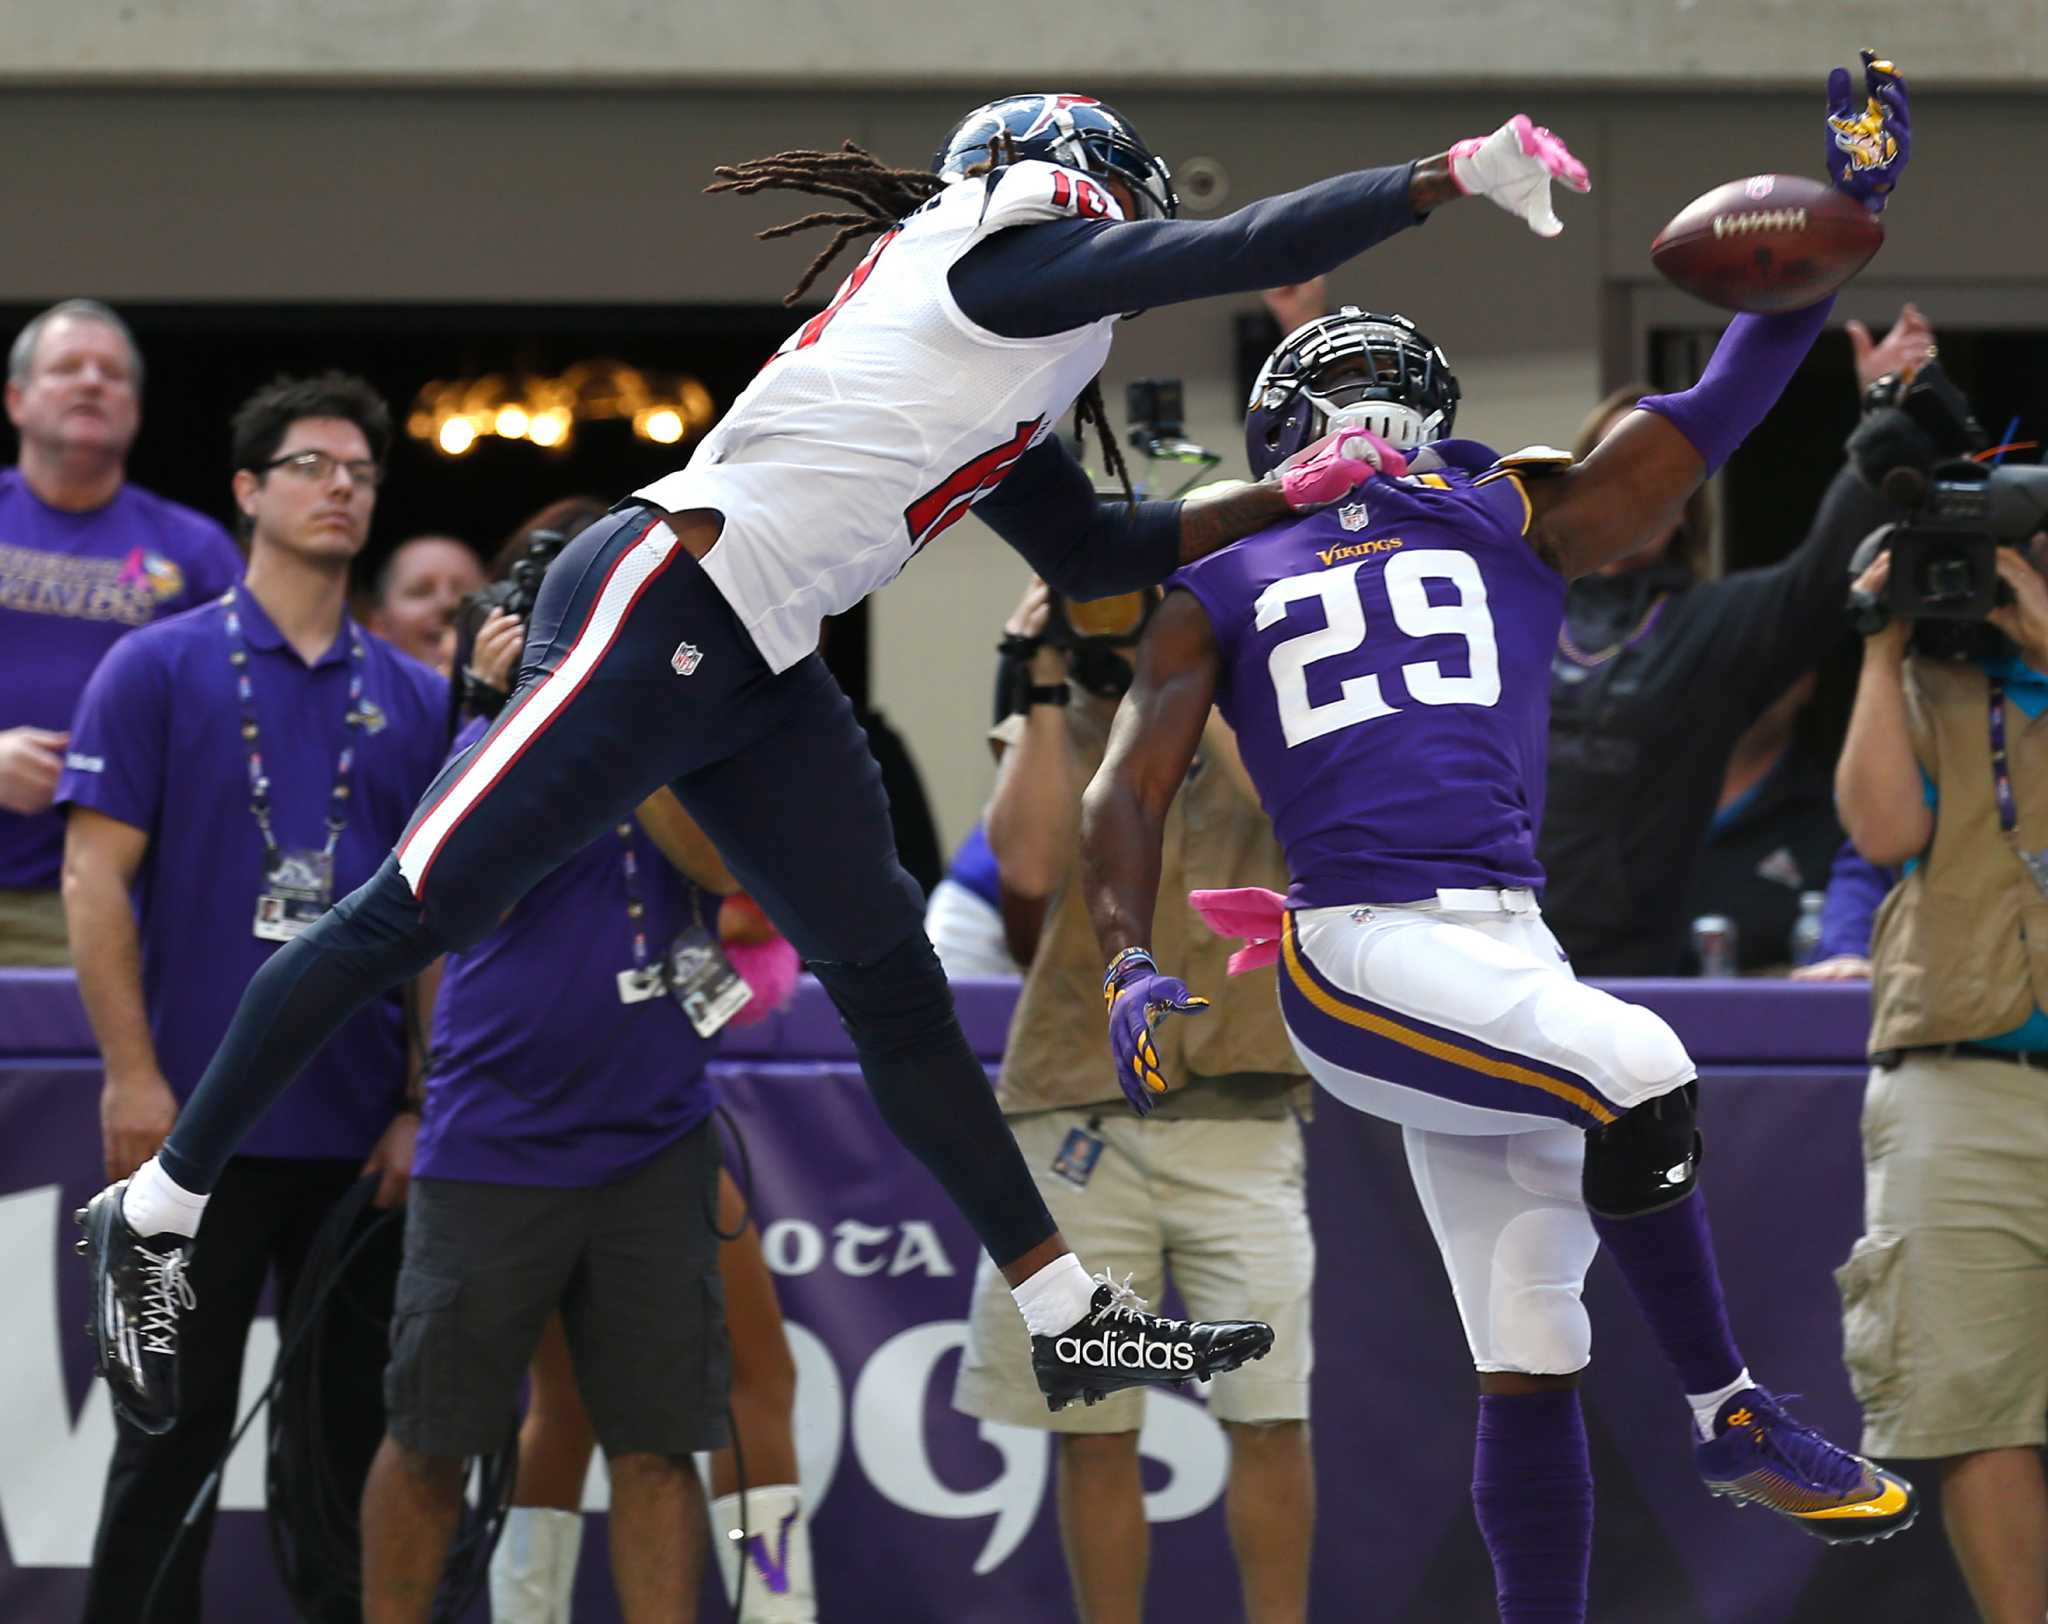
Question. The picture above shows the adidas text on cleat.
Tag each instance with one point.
(139, 1290)
(1760, 1456)
(1118, 1344)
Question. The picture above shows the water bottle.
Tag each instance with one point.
(1713, 939)
(1806, 929)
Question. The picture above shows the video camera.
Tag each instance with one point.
(1157, 409)
(1943, 554)
(1915, 445)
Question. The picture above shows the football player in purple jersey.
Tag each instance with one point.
(675, 643)
(1386, 666)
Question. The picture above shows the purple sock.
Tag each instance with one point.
(1532, 1489)
(1667, 1260)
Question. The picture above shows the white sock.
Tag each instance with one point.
(1055, 1297)
(533, 1570)
(1705, 1406)
(780, 1589)
(155, 1202)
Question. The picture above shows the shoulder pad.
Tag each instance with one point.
(1034, 191)
(1537, 459)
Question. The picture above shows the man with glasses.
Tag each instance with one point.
(230, 772)
(84, 557)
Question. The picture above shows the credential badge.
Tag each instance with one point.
(1352, 515)
(686, 659)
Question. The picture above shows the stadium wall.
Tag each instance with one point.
(590, 194)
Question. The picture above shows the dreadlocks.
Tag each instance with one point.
(1088, 408)
(881, 196)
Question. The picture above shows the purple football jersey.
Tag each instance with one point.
(1386, 664)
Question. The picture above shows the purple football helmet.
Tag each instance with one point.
(1354, 369)
(1075, 132)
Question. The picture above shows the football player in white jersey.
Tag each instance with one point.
(1386, 668)
(673, 649)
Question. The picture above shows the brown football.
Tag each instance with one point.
(1771, 242)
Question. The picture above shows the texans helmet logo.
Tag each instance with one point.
(1050, 107)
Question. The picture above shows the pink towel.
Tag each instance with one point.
(1251, 913)
(770, 969)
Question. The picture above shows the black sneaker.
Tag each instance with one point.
(1117, 1344)
(138, 1289)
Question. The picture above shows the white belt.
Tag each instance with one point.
(1488, 899)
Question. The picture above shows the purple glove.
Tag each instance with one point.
(1139, 998)
(1868, 146)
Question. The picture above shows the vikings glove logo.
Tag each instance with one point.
(1864, 138)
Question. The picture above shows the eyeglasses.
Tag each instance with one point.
(319, 467)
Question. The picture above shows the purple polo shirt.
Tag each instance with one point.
(71, 584)
(157, 743)
(540, 1075)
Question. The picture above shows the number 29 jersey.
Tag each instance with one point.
(1386, 664)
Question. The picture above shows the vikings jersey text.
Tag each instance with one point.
(1386, 664)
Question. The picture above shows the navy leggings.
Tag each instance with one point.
(638, 674)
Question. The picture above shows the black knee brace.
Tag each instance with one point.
(1646, 1160)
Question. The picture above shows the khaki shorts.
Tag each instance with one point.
(1222, 1206)
(32, 929)
(1945, 1298)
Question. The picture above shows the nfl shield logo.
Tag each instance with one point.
(1352, 515)
(686, 659)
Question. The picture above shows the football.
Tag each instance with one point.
(1771, 242)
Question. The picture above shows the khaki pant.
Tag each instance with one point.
(32, 929)
(1945, 1298)
(1220, 1205)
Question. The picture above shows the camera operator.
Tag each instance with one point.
(1213, 1180)
(1630, 796)
(570, 1211)
(1945, 771)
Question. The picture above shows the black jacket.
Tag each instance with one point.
(1773, 846)
(1640, 739)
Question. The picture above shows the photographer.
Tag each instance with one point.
(1213, 1180)
(570, 1211)
(1945, 771)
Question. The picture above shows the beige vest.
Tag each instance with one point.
(1960, 947)
(1058, 1051)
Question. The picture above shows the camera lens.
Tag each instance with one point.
(1946, 579)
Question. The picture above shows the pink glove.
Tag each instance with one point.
(1513, 168)
(1251, 913)
(1328, 470)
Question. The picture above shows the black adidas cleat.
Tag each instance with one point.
(1117, 1344)
(139, 1290)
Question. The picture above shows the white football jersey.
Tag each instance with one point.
(884, 417)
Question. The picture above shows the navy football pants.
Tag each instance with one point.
(638, 674)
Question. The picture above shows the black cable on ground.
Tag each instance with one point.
(315, 1507)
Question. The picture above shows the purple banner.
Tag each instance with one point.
(922, 1514)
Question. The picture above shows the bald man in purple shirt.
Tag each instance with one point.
(85, 557)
